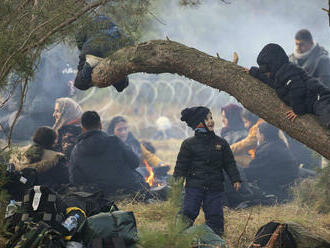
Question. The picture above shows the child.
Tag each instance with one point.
(201, 162)
(293, 86)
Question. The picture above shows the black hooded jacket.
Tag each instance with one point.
(104, 160)
(293, 86)
(202, 159)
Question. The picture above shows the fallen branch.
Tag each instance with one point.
(165, 56)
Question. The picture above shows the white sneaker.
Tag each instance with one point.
(92, 60)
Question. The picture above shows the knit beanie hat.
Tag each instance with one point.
(195, 115)
(271, 58)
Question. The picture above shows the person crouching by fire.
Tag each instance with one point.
(201, 162)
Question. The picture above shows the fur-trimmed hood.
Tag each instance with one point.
(35, 157)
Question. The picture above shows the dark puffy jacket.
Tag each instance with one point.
(294, 87)
(103, 160)
(273, 167)
(316, 64)
(202, 159)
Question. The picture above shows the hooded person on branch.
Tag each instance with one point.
(292, 84)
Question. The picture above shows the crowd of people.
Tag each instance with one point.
(249, 153)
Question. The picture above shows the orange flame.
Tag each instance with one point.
(150, 179)
(252, 153)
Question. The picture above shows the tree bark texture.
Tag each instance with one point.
(165, 56)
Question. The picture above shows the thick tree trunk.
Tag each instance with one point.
(161, 56)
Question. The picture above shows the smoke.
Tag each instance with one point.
(244, 26)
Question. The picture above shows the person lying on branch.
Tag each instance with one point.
(95, 41)
(306, 95)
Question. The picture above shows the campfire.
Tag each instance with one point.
(155, 177)
(151, 178)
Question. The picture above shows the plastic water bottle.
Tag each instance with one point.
(11, 208)
(73, 244)
(71, 222)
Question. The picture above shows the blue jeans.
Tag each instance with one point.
(212, 203)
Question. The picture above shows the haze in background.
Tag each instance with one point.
(244, 26)
(152, 103)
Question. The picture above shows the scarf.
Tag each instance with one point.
(304, 55)
(70, 112)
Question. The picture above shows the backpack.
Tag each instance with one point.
(42, 204)
(90, 203)
(116, 229)
(19, 181)
(287, 235)
(274, 233)
(39, 204)
(36, 235)
(304, 238)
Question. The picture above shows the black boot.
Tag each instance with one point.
(121, 85)
(83, 79)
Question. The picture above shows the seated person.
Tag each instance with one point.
(100, 39)
(293, 86)
(119, 127)
(273, 168)
(67, 114)
(233, 127)
(104, 161)
(244, 150)
(50, 165)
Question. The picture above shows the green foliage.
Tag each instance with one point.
(29, 26)
(4, 158)
(173, 236)
(130, 16)
(24, 32)
(315, 193)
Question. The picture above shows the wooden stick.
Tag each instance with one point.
(273, 241)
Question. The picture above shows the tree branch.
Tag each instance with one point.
(23, 93)
(11, 92)
(161, 56)
(328, 11)
(65, 23)
(26, 47)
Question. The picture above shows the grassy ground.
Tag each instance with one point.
(240, 225)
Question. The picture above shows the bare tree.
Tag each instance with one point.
(161, 56)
